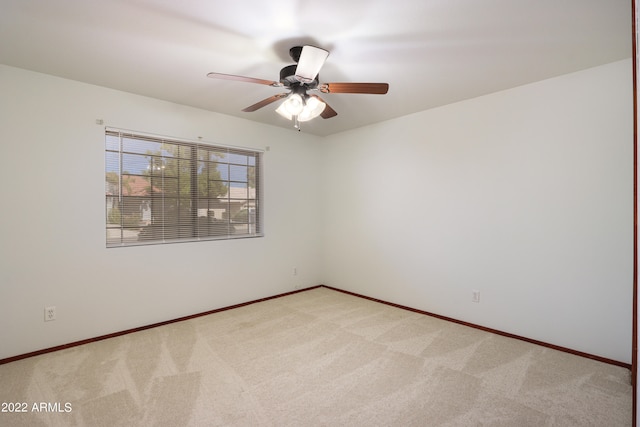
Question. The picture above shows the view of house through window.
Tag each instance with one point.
(160, 190)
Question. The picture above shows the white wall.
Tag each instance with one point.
(52, 236)
(525, 195)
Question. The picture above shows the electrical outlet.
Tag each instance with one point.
(475, 296)
(50, 313)
(294, 271)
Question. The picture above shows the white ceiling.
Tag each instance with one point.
(431, 52)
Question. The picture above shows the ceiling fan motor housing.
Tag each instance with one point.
(288, 78)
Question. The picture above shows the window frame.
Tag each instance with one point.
(178, 201)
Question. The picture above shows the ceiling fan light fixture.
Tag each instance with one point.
(312, 108)
(299, 78)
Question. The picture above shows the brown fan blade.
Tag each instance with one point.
(265, 102)
(370, 88)
(328, 112)
(243, 79)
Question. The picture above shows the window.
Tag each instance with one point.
(161, 191)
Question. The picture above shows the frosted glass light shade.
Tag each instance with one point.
(283, 112)
(294, 104)
(311, 109)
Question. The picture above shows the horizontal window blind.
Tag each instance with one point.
(161, 190)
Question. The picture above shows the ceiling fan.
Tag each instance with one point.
(299, 78)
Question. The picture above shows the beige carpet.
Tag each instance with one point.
(315, 358)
